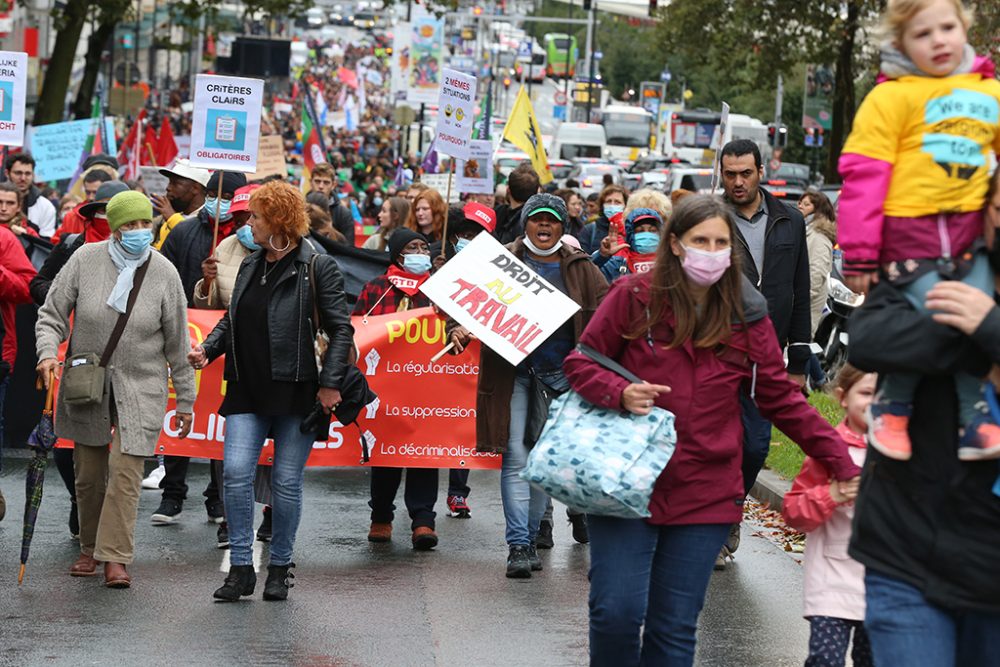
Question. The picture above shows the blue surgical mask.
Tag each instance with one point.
(460, 244)
(418, 264)
(136, 241)
(211, 204)
(646, 242)
(378, 202)
(245, 236)
(610, 210)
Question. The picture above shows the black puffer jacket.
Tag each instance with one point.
(289, 321)
(187, 246)
(933, 521)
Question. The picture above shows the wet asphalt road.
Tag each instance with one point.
(354, 603)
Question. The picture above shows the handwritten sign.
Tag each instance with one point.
(58, 148)
(456, 113)
(270, 158)
(493, 294)
(225, 129)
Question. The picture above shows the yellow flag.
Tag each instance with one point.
(523, 131)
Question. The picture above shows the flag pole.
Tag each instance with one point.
(218, 212)
(447, 203)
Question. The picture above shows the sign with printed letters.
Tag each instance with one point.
(475, 174)
(13, 91)
(456, 114)
(225, 130)
(494, 295)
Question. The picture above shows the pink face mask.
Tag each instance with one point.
(705, 268)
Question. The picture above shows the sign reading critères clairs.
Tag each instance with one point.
(225, 123)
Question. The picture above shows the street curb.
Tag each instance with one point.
(771, 488)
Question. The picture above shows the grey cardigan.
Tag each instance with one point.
(156, 337)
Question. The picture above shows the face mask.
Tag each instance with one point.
(137, 241)
(245, 236)
(646, 242)
(418, 264)
(705, 268)
(460, 245)
(610, 210)
(378, 202)
(542, 253)
(212, 204)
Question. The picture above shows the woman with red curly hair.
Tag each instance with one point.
(267, 335)
(427, 215)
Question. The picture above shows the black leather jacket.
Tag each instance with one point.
(289, 321)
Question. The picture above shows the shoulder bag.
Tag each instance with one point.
(83, 378)
(601, 461)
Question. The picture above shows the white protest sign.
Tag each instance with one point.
(475, 175)
(13, 91)
(439, 182)
(720, 137)
(456, 114)
(225, 131)
(153, 182)
(494, 295)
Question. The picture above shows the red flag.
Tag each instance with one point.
(166, 147)
(128, 145)
(147, 152)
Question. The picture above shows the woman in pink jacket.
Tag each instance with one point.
(834, 582)
(696, 331)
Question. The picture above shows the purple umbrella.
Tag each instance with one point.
(41, 440)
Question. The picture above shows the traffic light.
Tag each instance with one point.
(777, 137)
(587, 5)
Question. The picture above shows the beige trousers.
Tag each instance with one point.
(108, 484)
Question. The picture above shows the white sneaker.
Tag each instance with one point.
(154, 478)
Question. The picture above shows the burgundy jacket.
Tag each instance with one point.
(703, 483)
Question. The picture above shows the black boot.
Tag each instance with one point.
(241, 580)
(278, 582)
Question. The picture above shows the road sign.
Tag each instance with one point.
(559, 98)
(524, 49)
(598, 55)
(559, 113)
(665, 76)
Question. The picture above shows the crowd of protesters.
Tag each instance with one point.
(713, 301)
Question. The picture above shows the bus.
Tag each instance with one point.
(629, 131)
(688, 134)
(561, 52)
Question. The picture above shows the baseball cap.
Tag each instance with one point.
(480, 214)
(241, 199)
(107, 190)
(183, 169)
(545, 203)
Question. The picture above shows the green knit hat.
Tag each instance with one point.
(126, 207)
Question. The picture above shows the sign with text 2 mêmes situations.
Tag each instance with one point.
(225, 130)
(13, 90)
(494, 295)
(456, 114)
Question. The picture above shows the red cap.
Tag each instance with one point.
(241, 198)
(481, 214)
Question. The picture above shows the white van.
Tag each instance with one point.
(576, 140)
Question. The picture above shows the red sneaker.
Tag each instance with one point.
(459, 507)
(980, 442)
(887, 429)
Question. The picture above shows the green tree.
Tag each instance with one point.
(69, 26)
(745, 44)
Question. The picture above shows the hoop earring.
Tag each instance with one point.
(270, 242)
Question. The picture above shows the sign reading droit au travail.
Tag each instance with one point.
(456, 114)
(13, 91)
(225, 132)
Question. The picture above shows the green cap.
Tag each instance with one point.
(126, 207)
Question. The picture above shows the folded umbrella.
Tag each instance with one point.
(41, 440)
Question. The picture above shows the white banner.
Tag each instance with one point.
(225, 130)
(456, 113)
(13, 91)
(475, 175)
(439, 182)
(506, 305)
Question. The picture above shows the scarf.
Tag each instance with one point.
(126, 263)
(639, 262)
(404, 281)
(95, 230)
(896, 64)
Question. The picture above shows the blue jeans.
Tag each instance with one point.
(245, 436)
(906, 629)
(523, 504)
(649, 578)
(756, 441)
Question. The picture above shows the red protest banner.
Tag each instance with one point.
(425, 416)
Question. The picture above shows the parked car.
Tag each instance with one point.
(590, 176)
